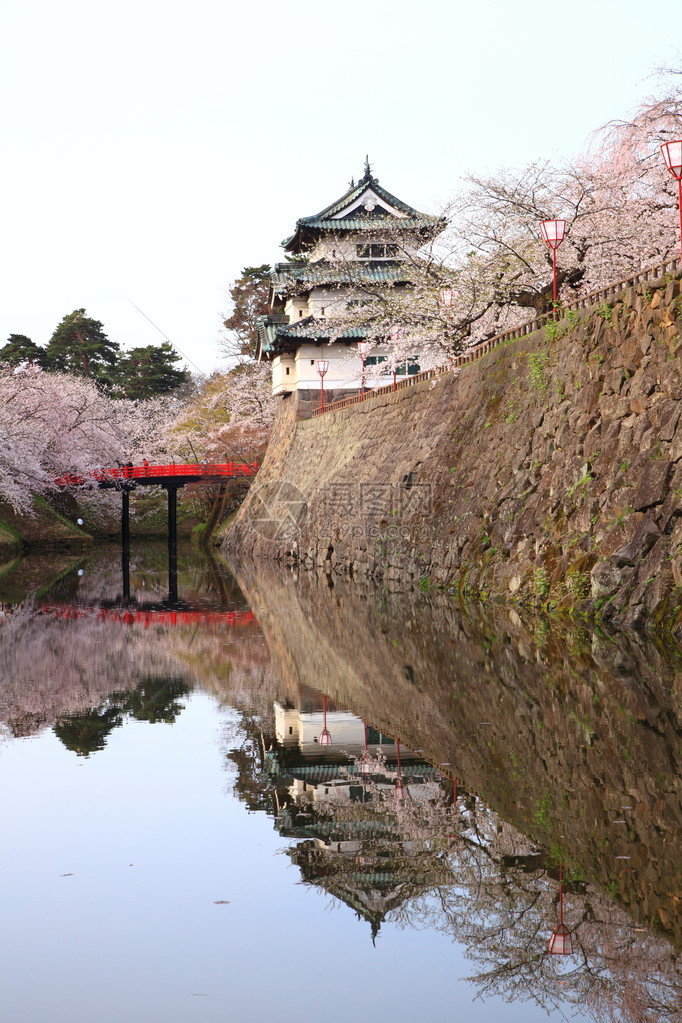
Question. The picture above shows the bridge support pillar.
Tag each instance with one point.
(172, 542)
(125, 520)
(172, 518)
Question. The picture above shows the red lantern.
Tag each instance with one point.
(672, 154)
(447, 296)
(553, 232)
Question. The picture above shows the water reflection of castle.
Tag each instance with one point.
(344, 802)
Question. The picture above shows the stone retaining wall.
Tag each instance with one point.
(549, 472)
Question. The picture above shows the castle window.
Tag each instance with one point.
(377, 250)
(322, 310)
(300, 313)
(287, 371)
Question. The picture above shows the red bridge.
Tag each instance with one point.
(171, 477)
(158, 475)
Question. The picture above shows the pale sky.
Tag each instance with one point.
(151, 150)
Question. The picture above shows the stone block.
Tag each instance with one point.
(652, 485)
(646, 535)
(605, 578)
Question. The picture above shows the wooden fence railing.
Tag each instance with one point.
(476, 352)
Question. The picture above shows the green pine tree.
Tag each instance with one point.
(20, 349)
(249, 294)
(79, 345)
(145, 372)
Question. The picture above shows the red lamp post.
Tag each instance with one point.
(672, 154)
(363, 348)
(324, 738)
(561, 941)
(394, 334)
(322, 367)
(553, 232)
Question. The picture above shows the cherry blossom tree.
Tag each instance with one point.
(489, 270)
(56, 423)
(231, 418)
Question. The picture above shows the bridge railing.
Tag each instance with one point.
(671, 266)
(134, 472)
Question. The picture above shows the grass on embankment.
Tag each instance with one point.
(45, 527)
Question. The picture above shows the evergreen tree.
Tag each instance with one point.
(20, 349)
(249, 294)
(79, 345)
(146, 372)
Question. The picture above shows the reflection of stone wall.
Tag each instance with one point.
(546, 470)
(556, 731)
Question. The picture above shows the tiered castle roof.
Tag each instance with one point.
(366, 206)
(366, 209)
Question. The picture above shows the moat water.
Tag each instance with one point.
(261, 797)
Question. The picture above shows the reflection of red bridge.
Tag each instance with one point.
(157, 475)
(138, 616)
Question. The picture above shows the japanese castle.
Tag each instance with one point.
(365, 236)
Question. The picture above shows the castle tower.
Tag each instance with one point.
(365, 237)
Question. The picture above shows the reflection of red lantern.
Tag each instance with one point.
(324, 738)
(365, 766)
(553, 232)
(400, 786)
(561, 941)
(672, 154)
